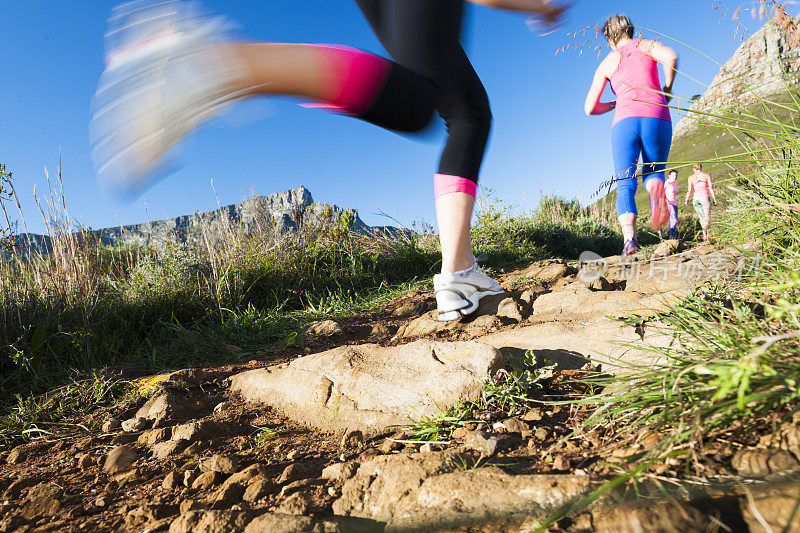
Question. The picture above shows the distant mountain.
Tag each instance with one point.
(282, 211)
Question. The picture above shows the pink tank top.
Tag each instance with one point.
(637, 85)
(701, 191)
(671, 192)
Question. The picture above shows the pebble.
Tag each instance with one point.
(222, 406)
(135, 424)
(561, 463)
(190, 505)
(220, 463)
(120, 459)
(340, 471)
(206, 480)
(534, 415)
(188, 477)
(171, 481)
(293, 472)
(298, 504)
(111, 425)
(481, 442)
(426, 448)
(258, 490)
(292, 455)
(352, 439)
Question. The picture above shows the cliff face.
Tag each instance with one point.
(283, 211)
(764, 65)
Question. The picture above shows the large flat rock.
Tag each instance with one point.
(425, 492)
(572, 344)
(369, 387)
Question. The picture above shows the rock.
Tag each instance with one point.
(247, 475)
(482, 443)
(111, 425)
(389, 446)
(364, 392)
(168, 449)
(484, 323)
(186, 378)
(195, 448)
(382, 330)
(120, 459)
(534, 415)
(420, 492)
(293, 472)
(19, 454)
(220, 463)
(43, 499)
(515, 425)
(172, 481)
(206, 480)
(284, 523)
(201, 430)
(666, 248)
(547, 274)
(761, 463)
(191, 505)
(509, 308)
(772, 506)
(411, 308)
(154, 436)
(221, 407)
(459, 433)
(146, 514)
(298, 504)
(101, 502)
(325, 328)
(426, 325)
(541, 434)
(209, 522)
(299, 485)
(132, 425)
(228, 495)
(599, 284)
(340, 472)
(188, 477)
(561, 463)
(352, 438)
(529, 296)
(259, 489)
(168, 407)
(85, 460)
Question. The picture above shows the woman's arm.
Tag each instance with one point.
(711, 189)
(546, 8)
(689, 192)
(667, 57)
(593, 105)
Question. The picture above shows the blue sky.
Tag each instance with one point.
(51, 56)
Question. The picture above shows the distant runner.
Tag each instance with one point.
(169, 69)
(642, 122)
(671, 192)
(701, 188)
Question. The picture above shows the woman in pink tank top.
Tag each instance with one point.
(701, 190)
(642, 125)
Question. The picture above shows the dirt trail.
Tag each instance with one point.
(299, 442)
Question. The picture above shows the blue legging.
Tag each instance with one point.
(631, 137)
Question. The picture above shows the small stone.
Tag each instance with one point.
(132, 425)
(169, 449)
(534, 415)
(292, 455)
(188, 477)
(222, 406)
(248, 474)
(220, 463)
(171, 481)
(120, 459)
(259, 489)
(206, 480)
(352, 439)
(481, 442)
(293, 472)
(340, 471)
(389, 446)
(102, 501)
(515, 425)
(325, 328)
(561, 463)
(426, 448)
(190, 505)
(297, 504)
(200, 430)
(111, 425)
(154, 436)
(508, 308)
(18, 454)
(332, 492)
(227, 496)
(459, 433)
(599, 284)
(541, 434)
(299, 485)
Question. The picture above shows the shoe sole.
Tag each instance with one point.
(474, 301)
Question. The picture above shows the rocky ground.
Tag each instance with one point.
(316, 438)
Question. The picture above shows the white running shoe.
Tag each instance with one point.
(458, 294)
(163, 78)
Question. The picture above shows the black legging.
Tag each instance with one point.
(423, 37)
